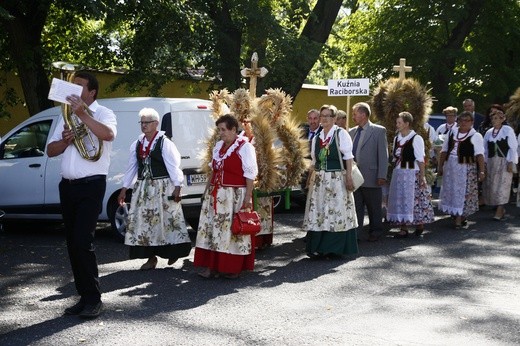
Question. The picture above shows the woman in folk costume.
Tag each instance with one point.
(409, 198)
(156, 225)
(462, 166)
(330, 214)
(500, 148)
(234, 170)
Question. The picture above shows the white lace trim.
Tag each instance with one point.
(504, 132)
(329, 134)
(229, 151)
(401, 140)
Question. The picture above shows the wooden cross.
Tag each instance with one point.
(253, 73)
(402, 68)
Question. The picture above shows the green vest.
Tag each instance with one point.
(332, 160)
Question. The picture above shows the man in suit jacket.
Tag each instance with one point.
(469, 106)
(371, 155)
(313, 124)
(311, 129)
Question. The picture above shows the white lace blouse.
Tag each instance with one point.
(418, 148)
(247, 156)
(505, 131)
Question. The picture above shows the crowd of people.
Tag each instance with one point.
(470, 157)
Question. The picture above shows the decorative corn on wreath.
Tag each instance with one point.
(513, 111)
(262, 119)
(394, 96)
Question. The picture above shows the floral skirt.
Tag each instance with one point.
(409, 203)
(265, 210)
(459, 190)
(330, 207)
(216, 246)
(154, 220)
(330, 216)
(496, 189)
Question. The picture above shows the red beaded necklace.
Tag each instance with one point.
(144, 152)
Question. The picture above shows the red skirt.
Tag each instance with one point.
(223, 262)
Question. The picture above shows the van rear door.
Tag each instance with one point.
(189, 128)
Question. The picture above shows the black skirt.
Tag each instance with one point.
(172, 251)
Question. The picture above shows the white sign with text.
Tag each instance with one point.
(349, 87)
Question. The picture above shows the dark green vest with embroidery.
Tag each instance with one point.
(332, 162)
(157, 167)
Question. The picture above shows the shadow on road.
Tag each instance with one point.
(456, 265)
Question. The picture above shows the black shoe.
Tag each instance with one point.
(91, 310)
(402, 234)
(372, 238)
(315, 255)
(75, 309)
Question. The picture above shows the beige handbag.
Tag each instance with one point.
(357, 177)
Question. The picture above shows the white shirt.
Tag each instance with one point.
(512, 142)
(247, 156)
(418, 148)
(444, 129)
(170, 155)
(73, 166)
(476, 140)
(345, 142)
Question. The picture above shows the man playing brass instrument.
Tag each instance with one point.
(82, 189)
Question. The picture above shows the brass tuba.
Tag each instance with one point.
(89, 146)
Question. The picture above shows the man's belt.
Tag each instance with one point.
(85, 180)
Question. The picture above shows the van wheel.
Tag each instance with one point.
(118, 215)
(119, 221)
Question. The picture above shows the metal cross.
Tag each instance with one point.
(402, 68)
(253, 73)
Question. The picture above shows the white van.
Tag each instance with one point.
(29, 178)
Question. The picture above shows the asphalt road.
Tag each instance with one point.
(448, 287)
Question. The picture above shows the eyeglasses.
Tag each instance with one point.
(146, 122)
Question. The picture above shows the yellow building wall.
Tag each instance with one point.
(310, 96)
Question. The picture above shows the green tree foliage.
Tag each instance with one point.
(38, 32)
(459, 48)
(221, 36)
(161, 40)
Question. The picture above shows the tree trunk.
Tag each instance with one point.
(229, 41)
(24, 30)
(299, 59)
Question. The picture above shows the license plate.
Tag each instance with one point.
(194, 179)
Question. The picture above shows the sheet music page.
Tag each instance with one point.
(60, 89)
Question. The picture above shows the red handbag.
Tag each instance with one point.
(246, 222)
